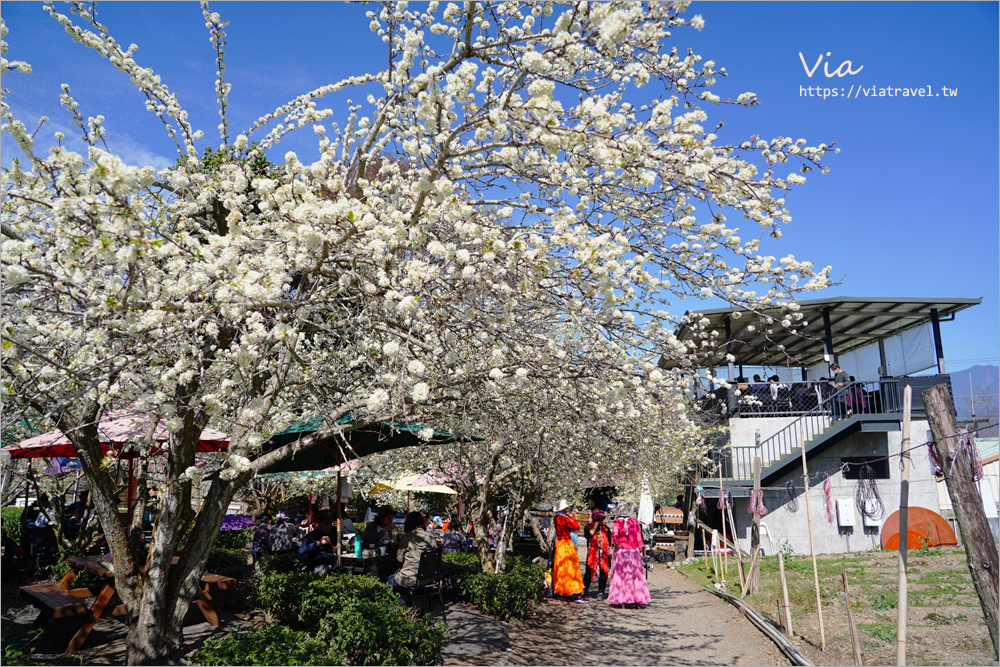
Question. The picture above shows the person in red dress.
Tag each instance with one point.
(598, 553)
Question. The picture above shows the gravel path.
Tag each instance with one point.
(682, 625)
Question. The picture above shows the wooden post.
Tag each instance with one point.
(859, 658)
(784, 594)
(754, 576)
(979, 546)
(812, 542)
(904, 504)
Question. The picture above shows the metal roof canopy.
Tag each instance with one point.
(853, 322)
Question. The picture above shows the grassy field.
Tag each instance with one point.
(945, 623)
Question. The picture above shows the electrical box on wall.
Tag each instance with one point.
(869, 522)
(845, 512)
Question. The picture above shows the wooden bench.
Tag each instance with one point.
(55, 602)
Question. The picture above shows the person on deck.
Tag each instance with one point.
(566, 577)
(598, 553)
(628, 572)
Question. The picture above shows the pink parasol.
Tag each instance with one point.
(118, 430)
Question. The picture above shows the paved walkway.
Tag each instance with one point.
(682, 625)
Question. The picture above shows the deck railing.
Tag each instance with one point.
(879, 398)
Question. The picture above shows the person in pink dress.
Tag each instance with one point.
(628, 572)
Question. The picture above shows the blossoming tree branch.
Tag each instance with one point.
(487, 244)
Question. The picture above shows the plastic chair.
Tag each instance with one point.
(428, 578)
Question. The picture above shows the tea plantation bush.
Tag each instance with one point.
(358, 619)
(513, 593)
(267, 645)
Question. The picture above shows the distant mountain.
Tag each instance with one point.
(984, 387)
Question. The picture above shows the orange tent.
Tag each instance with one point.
(924, 528)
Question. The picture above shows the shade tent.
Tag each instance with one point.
(369, 439)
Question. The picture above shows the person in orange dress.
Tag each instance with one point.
(567, 580)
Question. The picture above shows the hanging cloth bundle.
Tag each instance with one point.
(791, 502)
(968, 443)
(757, 503)
(866, 495)
(828, 497)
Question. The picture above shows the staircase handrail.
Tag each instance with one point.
(782, 443)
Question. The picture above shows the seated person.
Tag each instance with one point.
(260, 537)
(414, 542)
(347, 527)
(380, 528)
(282, 535)
(318, 545)
(452, 537)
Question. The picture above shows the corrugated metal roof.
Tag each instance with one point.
(988, 447)
(759, 339)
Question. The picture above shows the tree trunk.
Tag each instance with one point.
(979, 546)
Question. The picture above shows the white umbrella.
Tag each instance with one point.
(645, 503)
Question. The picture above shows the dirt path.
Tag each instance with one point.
(683, 625)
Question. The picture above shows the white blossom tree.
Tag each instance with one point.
(491, 240)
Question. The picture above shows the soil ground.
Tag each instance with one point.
(945, 623)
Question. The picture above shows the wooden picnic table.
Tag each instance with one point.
(61, 601)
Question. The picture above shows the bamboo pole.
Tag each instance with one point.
(904, 501)
(753, 562)
(812, 542)
(859, 659)
(754, 576)
(784, 594)
(739, 552)
(722, 499)
(704, 547)
(715, 556)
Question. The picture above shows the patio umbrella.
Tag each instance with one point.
(118, 430)
(423, 483)
(645, 503)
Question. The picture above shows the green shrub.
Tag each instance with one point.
(360, 619)
(327, 595)
(227, 562)
(234, 539)
(280, 594)
(381, 632)
(10, 523)
(282, 563)
(267, 645)
(510, 594)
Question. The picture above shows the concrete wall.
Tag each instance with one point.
(783, 528)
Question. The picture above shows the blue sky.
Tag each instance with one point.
(910, 208)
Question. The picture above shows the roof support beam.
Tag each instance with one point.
(828, 336)
(938, 347)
